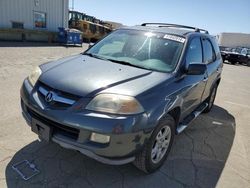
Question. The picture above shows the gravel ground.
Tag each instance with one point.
(213, 152)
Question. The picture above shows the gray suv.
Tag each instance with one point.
(125, 98)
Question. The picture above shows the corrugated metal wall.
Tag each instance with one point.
(23, 11)
(234, 40)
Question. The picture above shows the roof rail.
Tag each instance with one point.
(176, 26)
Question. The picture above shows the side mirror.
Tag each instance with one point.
(91, 44)
(196, 69)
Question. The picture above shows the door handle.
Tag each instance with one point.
(217, 70)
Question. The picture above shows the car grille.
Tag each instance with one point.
(58, 128)
(61, 99)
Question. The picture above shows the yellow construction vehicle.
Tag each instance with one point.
(93, 29)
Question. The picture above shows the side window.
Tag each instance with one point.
(194, 53)
(209, 54)
(216, 48)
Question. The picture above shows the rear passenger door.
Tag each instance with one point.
(213, 61)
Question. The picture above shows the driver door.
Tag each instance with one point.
(194, 84)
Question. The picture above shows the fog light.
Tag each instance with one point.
(100, 138)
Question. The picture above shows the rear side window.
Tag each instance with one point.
(209, 54)
(194, 53)
(216, 48)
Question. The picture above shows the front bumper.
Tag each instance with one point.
(72, 129)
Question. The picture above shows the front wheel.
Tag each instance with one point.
(156, 150)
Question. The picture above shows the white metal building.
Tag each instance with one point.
(234, 40)
(42, 15)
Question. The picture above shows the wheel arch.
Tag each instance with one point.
(175, 113)
(218, 81)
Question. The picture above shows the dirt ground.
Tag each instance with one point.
(213, 152)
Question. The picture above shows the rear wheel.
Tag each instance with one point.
(211, 99)
(156, 150)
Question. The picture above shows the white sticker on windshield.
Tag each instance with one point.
(175, 38)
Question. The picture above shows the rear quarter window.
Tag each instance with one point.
(216, 48)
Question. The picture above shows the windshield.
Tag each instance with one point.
(154, 51)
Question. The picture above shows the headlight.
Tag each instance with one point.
(115, 104)
(33, 77)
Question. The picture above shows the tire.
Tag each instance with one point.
(248, 63)
(211, 99)
(147, 160)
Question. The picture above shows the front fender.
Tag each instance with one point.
(163, 106)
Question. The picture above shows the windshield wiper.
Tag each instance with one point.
(95, 56)
(126, 63)
(114, 60)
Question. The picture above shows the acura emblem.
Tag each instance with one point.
(49, 96)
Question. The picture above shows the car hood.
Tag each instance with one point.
(86, 76)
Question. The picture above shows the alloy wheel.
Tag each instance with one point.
(161, 144)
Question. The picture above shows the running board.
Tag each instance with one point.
(183, 125)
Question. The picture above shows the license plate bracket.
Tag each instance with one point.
(44, 131)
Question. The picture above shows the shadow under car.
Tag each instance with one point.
(197, 159)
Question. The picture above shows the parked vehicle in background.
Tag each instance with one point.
(244, 57)
(235, 55)
(248, 55)
(93, 29)
(231, 56)
(224, 51)
(125, 98)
